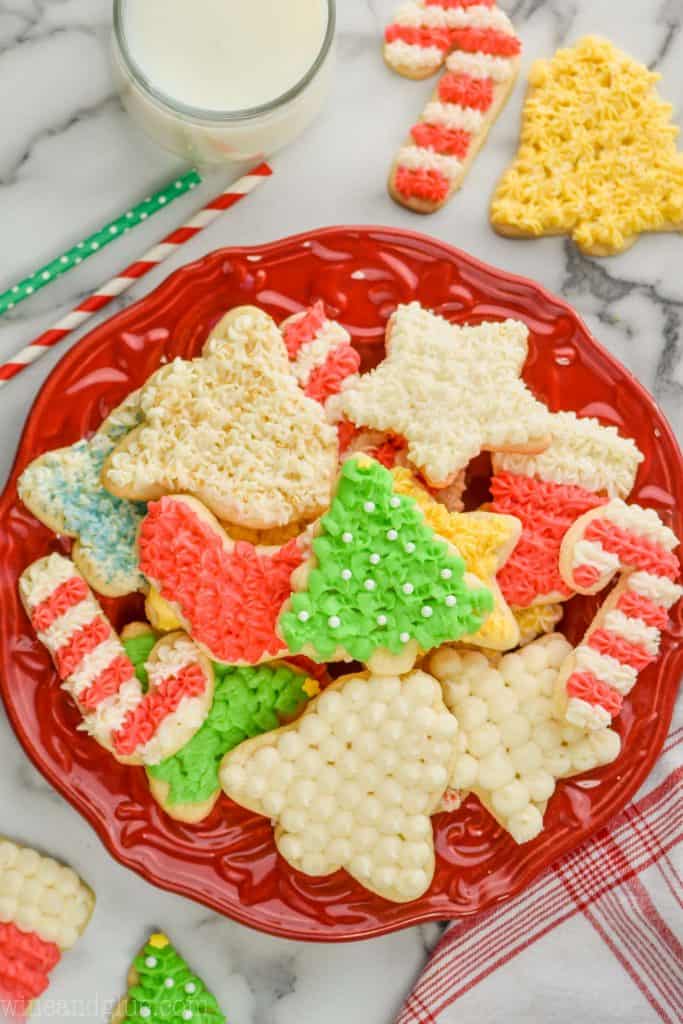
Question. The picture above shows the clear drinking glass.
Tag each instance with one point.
(210, 136)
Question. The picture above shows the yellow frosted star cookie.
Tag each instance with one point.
(597, 158)
(485, 541)
(452, 390)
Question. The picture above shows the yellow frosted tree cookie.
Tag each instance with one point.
(597, 158)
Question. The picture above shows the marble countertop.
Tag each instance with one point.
(69, 160)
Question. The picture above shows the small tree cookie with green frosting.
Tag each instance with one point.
(162, 989)
(382, 585)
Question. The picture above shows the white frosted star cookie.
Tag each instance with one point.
(451, 391)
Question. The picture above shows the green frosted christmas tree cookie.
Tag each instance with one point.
(382, 585)
(162, 989)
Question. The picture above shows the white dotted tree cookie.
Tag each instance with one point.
(353, 782)
(512, 744)
(233, 429)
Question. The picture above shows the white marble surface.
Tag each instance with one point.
(69, 159)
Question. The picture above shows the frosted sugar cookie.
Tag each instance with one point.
(452, 391)
(63, 490)
(136, 726)
(162, 989)
(592, 118)
(485, 541)
(226, 594)
(585, 465)
(322, 356)
(512, 745)
(381, 584)
(353, 782)
(625, 634)
(232, 428)
(423, 32)
(44, 909)
(442, 145)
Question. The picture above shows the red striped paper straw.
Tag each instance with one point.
(127, 278)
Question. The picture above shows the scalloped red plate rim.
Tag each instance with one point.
(525, 875)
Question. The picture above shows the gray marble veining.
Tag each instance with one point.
(70, 159)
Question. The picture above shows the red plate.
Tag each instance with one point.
(230, 863)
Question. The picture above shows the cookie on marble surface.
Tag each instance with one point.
(381, 584)
(62, 489)
(592, 118)
(452, 391)
(44, 909)
(625, 635)
(136, 725)
(232, 428)
(163, 989)
(353, 782)
(442, 145)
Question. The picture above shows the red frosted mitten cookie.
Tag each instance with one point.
(44, 909)
(584, 466)
(137, 727)
(625, 635)
(228, 594)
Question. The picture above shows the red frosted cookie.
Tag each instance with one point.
(228, 594)
(322, 357)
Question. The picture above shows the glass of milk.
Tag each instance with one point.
(223, 80)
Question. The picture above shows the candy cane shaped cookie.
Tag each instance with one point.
(625, 635)
(433, 162)
(423, 32)
(321, 355)
(136, 727)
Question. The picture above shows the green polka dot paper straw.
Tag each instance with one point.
(89, 246)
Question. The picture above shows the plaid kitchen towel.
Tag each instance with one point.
(594, 939)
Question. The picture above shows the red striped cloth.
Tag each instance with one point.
(593, 939)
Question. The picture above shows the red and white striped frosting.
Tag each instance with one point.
(626, 633)
(484, 50)
(322, 357)
(96, 672)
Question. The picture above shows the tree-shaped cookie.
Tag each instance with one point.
(233, 428)
(162, 989)
(382, 584)
(597, 158)
(352, 784)
(44, 909)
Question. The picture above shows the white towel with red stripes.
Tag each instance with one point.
(597, 939)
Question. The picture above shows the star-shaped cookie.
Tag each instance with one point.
(485, 541)
(452, 391)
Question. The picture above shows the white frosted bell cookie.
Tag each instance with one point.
(272, 464)
(353, 783)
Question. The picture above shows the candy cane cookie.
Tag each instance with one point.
(435, 158)
(321, 354)
(136, 727)
(44, 909)
(423, 32)
(585, 465)
(625, 635)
